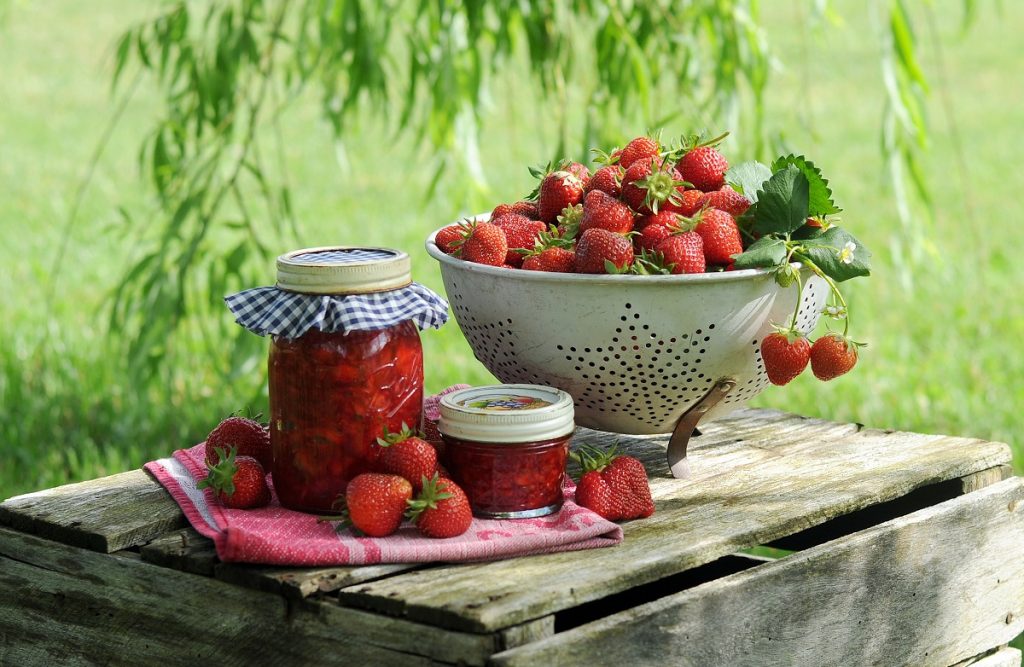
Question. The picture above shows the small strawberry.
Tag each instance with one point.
(650, 185)
(606, 179)
(601, 251)
(527, 208)
(580, 171)
(689, 202)
(684, 251)
(785, 354)
(552, 260)
(720, 234)
(833, 355)
(603, 211)
(613, 485)
(406, 454)
(449, 238)
(558, 189)
(247, 436)
(520, 234)
(441, 509)
(653, 234)
(728, 200)
(375, 503)
(704, 167)
(484, 243)
(641, 148)
(239, 481)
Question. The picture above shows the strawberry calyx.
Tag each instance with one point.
(569, 221)
(661, 187)
(221, 475)
(651, 263)
(791, 333)
(554, 238)
(687, 143)
(393, 438)
(601, 157)
(430, 494)
(592, 458)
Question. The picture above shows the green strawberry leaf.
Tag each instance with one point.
(820, 196)
(781, 203)
(765, 252)
(806, 232)
(747, 178)
(838, 254)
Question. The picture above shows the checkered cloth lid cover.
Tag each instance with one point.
(271, 310)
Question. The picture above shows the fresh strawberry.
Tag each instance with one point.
(580, 171)
(650, 185)
(239, 481)
(663, 217)
(603, 211)
(520, 234)
(728, 200)
(721, 236)
(441, 509)
(375, 503)
(704, 167)
(606, 179)
(449, 238)
(601, 251)
(684, 251)
(407, 454)
(785, 354)
(553, 260)
(613, 485)
(641, 148)
(653, 234)
(527, 208)
(247, 436)
(689, 202)
(558, 190)
(833, 355)
(484, 243)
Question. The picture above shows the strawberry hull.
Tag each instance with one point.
(634, 352)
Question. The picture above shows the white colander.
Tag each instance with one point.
(635, 352)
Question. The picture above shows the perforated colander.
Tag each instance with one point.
(635, 352)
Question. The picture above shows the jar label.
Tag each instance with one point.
(504, 403)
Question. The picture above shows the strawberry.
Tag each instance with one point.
(449, 238)
(441, 509)
(553, 260)
(720, 234)
(603, 211)
(785, 354)
(688, 203)
(704, 167)
(606, 179)
(833, 355)
(375, 503)
(527, 208)
(650, 185)
(580, 171)
(484, 243)
(641, 148)
(653, 234)
(728, 200)
(558, 190)
(613, 485)
(406, 454)
(239, 481)
(684, 250)
(601, 251)
(520, 234)
(247, 436)
(663, 218)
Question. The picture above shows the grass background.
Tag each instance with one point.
(942, 330)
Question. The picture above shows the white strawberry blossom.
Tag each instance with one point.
(835, 312)
(846, 253)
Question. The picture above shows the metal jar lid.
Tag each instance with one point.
(507, 413)
(343, 270)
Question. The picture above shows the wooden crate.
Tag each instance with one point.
(887, 548)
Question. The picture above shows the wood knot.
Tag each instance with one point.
(1009, 618)
(1013, 505)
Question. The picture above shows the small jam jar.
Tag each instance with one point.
(332, 392)
(506, 446)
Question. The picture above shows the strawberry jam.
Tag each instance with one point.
(331, 396)
(507, 446)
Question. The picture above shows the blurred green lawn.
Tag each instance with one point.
(941, 332)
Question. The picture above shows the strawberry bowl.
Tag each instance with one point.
(636, 353)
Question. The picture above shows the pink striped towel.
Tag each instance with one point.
(273, 535)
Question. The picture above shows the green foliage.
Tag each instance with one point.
(781, 203)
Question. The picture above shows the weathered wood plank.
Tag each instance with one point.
(298, 583)
(784, 475)
(1004, 656)
(105, 514)
(184, 550)
(65, 605)
(931, 588)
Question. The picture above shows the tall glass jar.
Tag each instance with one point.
(334, 389)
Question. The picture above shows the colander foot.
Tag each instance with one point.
(687, 426)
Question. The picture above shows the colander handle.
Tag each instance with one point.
(681, 434)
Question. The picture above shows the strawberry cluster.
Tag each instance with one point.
(645, 209)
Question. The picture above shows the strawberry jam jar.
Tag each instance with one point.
(506, 446)
(345, 363)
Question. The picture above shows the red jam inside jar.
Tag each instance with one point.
(507, 447)
(331, 396)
